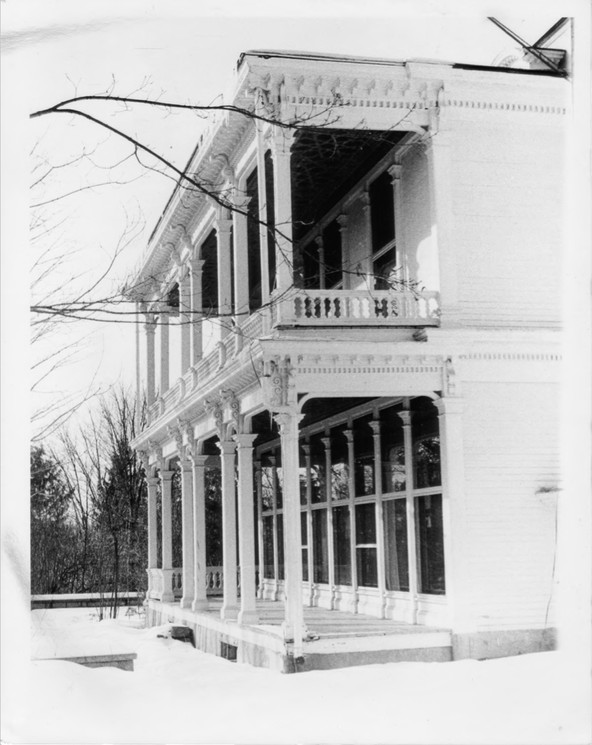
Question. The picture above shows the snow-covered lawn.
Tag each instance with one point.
(179, 695)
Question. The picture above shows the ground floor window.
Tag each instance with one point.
(371, 500)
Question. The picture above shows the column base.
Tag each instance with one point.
(197, 605)
(229, 613)
(248, 618)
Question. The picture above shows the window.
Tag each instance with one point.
(253, 241)
(209, 277)
(270, 217)
(392, 450)
(395, 544)
(364, 456)
(339, 464)
(333, 260)
(382, 217)
(319, 544)
(341, 543)
(366, 545)
(430, 544)
(268, 572)
(426, 443)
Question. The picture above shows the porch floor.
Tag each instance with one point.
(335, 638)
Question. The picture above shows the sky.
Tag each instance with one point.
(180, 52)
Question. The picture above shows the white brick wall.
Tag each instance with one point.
(511, 449)
(507, 192)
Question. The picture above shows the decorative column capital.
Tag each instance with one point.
(405, 417)
(150, 323)
(282, 140)
(326, 442)
(186, 465)
(349, 435)
(199, 461)
(395, 172)
(342, 222)
(227, 447)
(245, 441)
(286, 419)
(152, 481)
(166, 476)
(375, 427)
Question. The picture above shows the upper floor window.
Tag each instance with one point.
(253, 241)
(209, 277)
(382, 217)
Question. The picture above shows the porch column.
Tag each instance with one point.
(185, 318)
(405, 417)
(352, 516)
(375, 426)
(166, 478)
(150, 327)
(225, 279)
(261, 557)
(330, 547)
(367, 265)
(321, 253)
(453, 510)
(151, 488)
(229, 569)
(276, 562)
(246, 530)
(401, 255)
(294, 612)
(200, 599)
(345, 264)
(240, 253)
(307, 462)
(188, 539)
(164, 352)
(282, 141)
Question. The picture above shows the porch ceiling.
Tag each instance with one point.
(327, 163)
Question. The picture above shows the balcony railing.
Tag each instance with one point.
(357, 308)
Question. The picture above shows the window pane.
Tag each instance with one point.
(339, 464)
(305, 564)
(332, 246)
(279, 483)
(392, 450)
(266, 483)
(426, 443)
(319, 544)
(382, 210)
(365, 524)
(280, 541)
(341, 545)
(363, 456)
(268, 547)
(253, 242)
(430, 544)
(395, 544)
(385, 275)
(366, 564)
(317, 469)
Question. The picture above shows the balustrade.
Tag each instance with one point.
(358, 308)
(172, 579)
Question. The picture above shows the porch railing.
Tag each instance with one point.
(167, 584)
(357, 308)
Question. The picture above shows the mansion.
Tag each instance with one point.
(351, 365)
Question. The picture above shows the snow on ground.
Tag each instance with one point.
(179, 695)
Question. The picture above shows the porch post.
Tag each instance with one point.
(307, 461)
(151, 489)
(330, 547)
(282, 141)
(150, 327)
(276, 560)
(401, 255)
(230, 598)
(166, 478)
(405, 417)
(345, 263)
(375, 426)
(294, 612)
(367, 264)
(246, 531)
(196, 309)
(188, 539)
(185, 318)
(261, 556)
(352, 517)
(200, 600)
(164, 352)
(453, 509)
